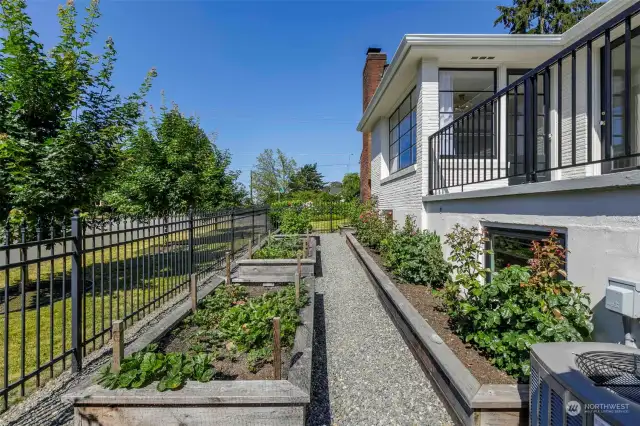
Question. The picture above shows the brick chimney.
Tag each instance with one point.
(371, 76)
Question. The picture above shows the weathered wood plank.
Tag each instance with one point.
(216, 392)
(180, 416)
(501, 396)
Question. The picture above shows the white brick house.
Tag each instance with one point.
(499, 131)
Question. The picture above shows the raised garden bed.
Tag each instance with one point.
(491, 398)
(237, 395)
(279, 270)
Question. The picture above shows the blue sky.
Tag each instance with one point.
(267, 74)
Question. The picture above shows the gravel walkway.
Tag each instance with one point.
(368, 376)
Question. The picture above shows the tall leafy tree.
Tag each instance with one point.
(171, 165)
(307, 179)
(61, 123)
(544, 16)
(272, 175)
(350, 186)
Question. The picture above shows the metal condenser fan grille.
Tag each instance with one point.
(616, 371)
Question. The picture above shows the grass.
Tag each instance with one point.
(136, 260)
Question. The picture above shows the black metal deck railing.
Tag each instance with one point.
(536, 125)
(63, 284)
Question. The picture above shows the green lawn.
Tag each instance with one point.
(167, 257)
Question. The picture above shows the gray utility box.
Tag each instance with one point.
(623, 297)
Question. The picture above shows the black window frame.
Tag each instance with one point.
(609, 166)
(464, 131)
(413, 153)
(528, 234)
(516, 165)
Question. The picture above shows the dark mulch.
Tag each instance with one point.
(431, 310)
(180, 340)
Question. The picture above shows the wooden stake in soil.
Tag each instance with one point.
(305, 248)
(299, 265)
(250, 255)
(296, 278)
(277, 363)
(117, 343)
(194, 292)
(228, 260)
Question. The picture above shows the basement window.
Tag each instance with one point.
(513, 246)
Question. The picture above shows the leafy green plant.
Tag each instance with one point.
(415, 256)
(257, 358)
(249, 325)
(212, 307)
(296, 221)
(171, 370)
(520, 306)
(372, 227)
(280, 248)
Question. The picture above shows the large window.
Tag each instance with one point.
(513, 246)
(460, 90)
(618, 104)
(402, 134)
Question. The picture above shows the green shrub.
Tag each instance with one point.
(520, 306)
(296, 221)
(372, 227)
(280, 248)
(415, 256)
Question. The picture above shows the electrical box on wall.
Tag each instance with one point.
(623, 297)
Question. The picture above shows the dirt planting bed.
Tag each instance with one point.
(229, 363)
(428, 305)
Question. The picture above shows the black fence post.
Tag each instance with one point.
(529, 129)
(331, 217)
(190, 242)
(76, 291)
(233, 231)
(253, 225)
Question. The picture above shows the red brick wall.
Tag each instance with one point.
(371, 77)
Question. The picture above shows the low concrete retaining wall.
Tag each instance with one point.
(278, 270)
(216, 403)
(472, 404)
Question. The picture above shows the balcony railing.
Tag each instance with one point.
(576, 114)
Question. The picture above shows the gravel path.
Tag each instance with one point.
(368, 376)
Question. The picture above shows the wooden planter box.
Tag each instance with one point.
(472, 404)
(216, 403)
(277, 270)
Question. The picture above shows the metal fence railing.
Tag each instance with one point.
(323, 217)
(63, 284)
(576, 109)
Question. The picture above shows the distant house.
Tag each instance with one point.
(333, 188)
(516, 134)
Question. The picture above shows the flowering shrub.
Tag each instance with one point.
(415, 256)
(372, 226)
(520, 306)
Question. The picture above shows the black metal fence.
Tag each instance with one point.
(65, 283)
(549, 119)
(322, 217)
